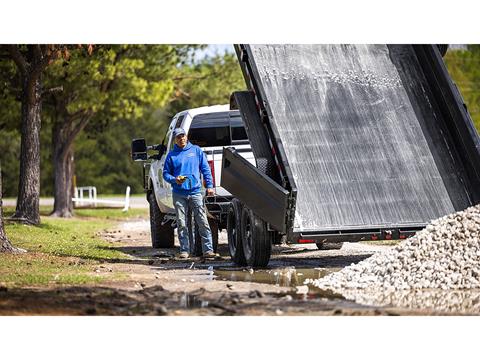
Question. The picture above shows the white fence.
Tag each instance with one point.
(91, 198)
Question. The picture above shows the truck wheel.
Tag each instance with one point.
(329, 246)
(257, 243)
(162, 235)
(235, 246)
(197, 243)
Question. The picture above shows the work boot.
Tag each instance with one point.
(210, 255)
(183, 255)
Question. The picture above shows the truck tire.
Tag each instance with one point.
(330, 246)
(257, 243)
(235, 245)
(196, 244)
(162, 235)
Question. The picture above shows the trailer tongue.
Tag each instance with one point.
(365, 140)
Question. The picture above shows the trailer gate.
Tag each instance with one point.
(362, 133)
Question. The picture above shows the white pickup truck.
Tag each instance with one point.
(212, 128)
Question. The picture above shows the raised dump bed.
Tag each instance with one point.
(368, 140)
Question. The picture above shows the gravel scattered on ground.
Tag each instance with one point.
(445, 255)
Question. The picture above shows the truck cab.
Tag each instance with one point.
(212, 128)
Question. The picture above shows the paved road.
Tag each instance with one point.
(135, 202)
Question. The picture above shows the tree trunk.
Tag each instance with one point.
(5, 245)
(28, 203)
(63, 137)
(63, 174)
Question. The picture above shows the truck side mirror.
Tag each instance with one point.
(139, 150)
(161, 149)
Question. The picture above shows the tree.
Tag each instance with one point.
(208, 82)
(5, 245)
(464, 68)
(31, 62)
(116, 82)
(10, 124)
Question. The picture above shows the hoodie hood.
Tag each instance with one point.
(177, 148)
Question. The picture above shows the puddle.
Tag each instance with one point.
(448, 301)
(190, 301)
(285, 277)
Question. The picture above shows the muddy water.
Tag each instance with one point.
(285, 277)
(455, 302)
(190, 301)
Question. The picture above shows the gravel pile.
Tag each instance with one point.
(440, 301)
(445, 255)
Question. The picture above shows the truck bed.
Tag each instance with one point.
(363, 135)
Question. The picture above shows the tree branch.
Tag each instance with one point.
(72, 134)
(195, 77)
(18, 58)
(50, 91)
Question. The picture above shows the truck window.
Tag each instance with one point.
(210, 130)
(179, 121)
(217, 129)
(239, 135)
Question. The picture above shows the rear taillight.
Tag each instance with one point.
(306, 241)
(212, 169)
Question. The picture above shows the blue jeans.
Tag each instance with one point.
(195, 201)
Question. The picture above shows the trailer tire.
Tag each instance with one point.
(162, 235)
(234, 229)
(330, 246)
(257, 242)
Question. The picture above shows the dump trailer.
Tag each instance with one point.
(352, 142)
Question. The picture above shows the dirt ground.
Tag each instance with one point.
(154, 282)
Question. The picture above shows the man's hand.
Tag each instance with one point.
(210, 192)
(180, 179)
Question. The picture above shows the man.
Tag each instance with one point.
(182, 170)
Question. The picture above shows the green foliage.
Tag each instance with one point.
(464, 68)
(209, 82)
(131, 91)
(9, 126)
(116, 81)
(104, 161)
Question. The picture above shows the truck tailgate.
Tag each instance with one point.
(362, 134)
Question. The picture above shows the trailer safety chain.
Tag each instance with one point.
(168, 218)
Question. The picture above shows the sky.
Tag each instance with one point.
(213, 49)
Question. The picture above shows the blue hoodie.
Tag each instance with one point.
(189, 162)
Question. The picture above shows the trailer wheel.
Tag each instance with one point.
(235, 246)
(162, 235)
(257, 243)
(329, 246)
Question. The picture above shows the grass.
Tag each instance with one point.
(61, 251)
(100, 196)
(101, 213)
(111, 214)
(36, 269)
